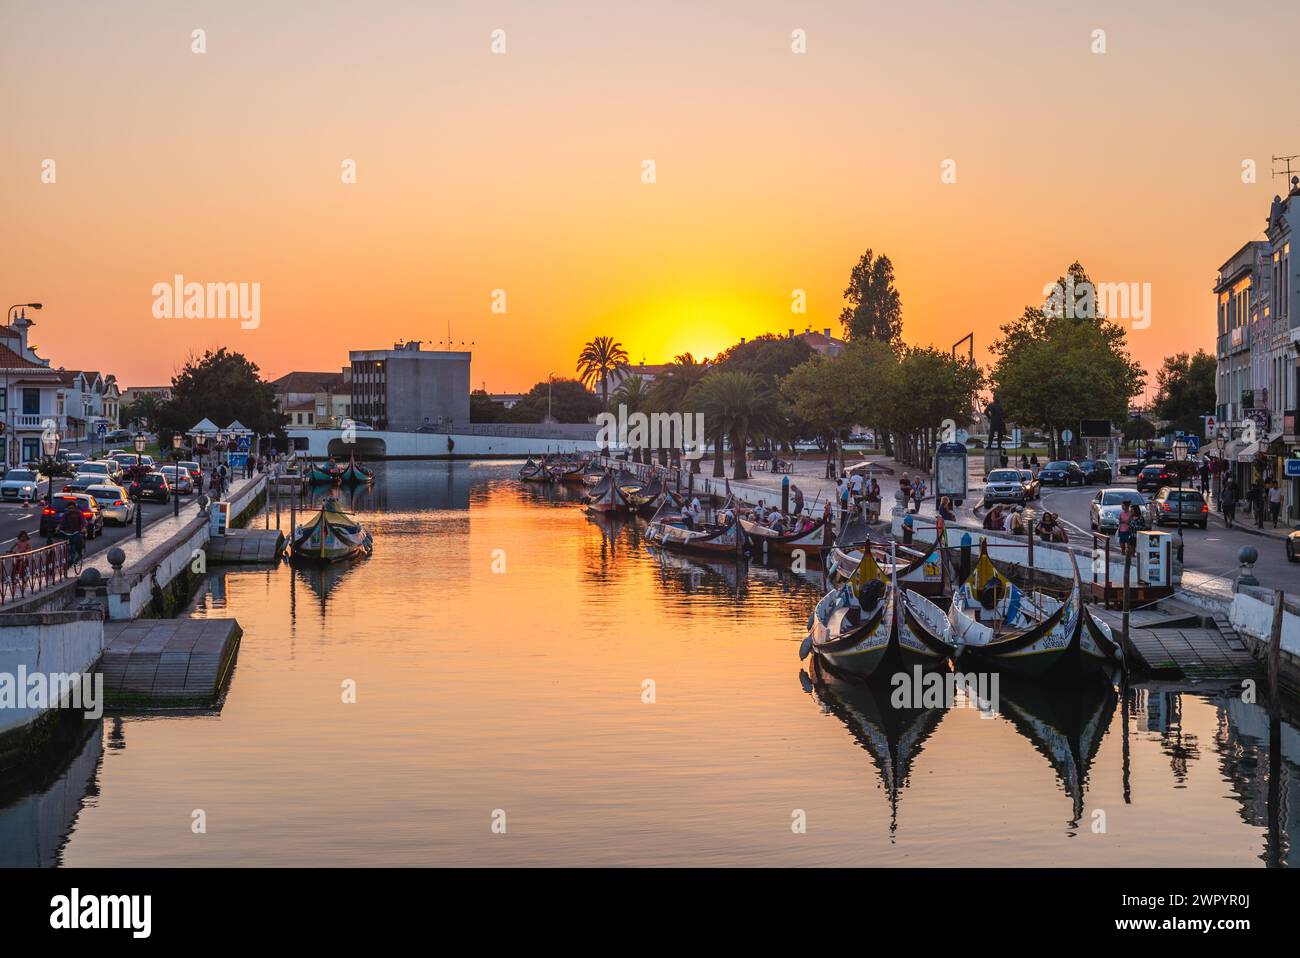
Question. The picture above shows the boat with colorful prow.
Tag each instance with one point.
(356, 475)
(854, 628)
(534, 471)
(605, 498)
(995, 625)
(331, 536)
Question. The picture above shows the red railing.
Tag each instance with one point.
(23, 573)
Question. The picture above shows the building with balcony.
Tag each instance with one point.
(407, 388)
(33, 397)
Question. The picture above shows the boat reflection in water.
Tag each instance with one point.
(892, 736)
(1065, 721)
(40, 800)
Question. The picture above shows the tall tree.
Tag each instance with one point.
(222, 386)
(936, 388)
(1052, 368)
(635, 395)
(601, 358)
(873, 309)
(1185, 390)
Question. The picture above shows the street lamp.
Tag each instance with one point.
(1180, 457)
(50, 445)
(141, 440)
(9, 318)
(176, 467)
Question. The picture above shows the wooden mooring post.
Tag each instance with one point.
(1275, 647)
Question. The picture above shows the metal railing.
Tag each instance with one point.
(25, 573)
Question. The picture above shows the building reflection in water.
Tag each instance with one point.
(40, 802)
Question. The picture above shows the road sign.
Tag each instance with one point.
(1066, 435)
(1211, 425)
(1292, 468)
(242, 443)
(1193, 442)
(102, 429)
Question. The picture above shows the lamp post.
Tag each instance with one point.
(176, 467)
(9, 318)
(1180, 457)
(141, 440)
(50, 445)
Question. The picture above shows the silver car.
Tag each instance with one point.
(178, 477)
(114, 503)
(1104, 514)
(1004, 485)
(20, 484)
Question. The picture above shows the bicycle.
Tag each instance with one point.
(76, 554)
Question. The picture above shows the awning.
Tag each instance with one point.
(205, 427)
(1248, 452)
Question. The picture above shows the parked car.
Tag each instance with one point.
(178, 477)
(1033, 488)
(1293, 546)
(1003, 485)
(52, 514)
(1104, 513)
(1154, 477)
(1185, 506)
(118, 435)
(20, 485)
(1096, 470)
(103, 469)
(152, 486)
(1131, 467)
(114, 503)
(1061, 473)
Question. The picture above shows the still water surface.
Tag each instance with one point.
(521, 692)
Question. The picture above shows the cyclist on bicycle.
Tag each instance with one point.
(72, 524)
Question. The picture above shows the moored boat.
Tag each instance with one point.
(331, 536)
(317, 475)
(355, 475)
(533, 471)
(854, 627)
(669, 530)
(605, 497)
(996, 625)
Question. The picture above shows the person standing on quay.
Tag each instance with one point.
(1229, 503)
(1274, 500)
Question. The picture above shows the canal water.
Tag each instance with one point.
(535, 687)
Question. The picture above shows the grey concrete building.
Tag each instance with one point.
(406, 387)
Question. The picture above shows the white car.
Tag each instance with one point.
(114, 503)
(20, 485)
(1104, 514)
(1004, 485)
(108, 469)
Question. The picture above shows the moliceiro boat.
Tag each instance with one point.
(996, 625)
(853, 629)
(668, 529)
(766, 541)
(605, 497)
(533, 471)
(355, 475)
(319, 475)
(331, 536)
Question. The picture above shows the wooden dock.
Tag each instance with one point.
(1174, 640)
(168, 662)
(246, 546)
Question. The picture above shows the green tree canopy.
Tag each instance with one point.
(1052, 370)
(769, 357)
(599, 359)
(223, 386)
(739, 406)
(570, 402)
(873, 309)
(1185, 390)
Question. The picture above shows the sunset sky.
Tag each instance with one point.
(522, 171)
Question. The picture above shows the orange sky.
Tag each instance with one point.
(522, 171)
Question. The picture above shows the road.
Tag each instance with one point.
(14, 518)
(1209, 556)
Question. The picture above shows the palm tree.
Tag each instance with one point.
(739, 406)
(670, 392)
(598, 360)
(633, 393)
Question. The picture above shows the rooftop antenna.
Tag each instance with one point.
(1286, 173)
